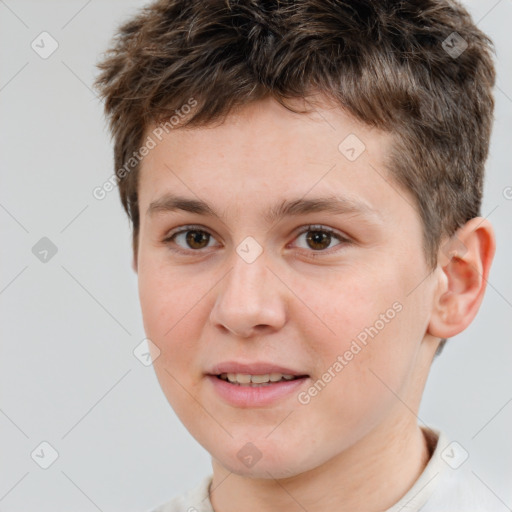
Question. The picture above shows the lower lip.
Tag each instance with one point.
(254, 396)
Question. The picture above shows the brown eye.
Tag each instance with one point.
(321, 241)
(318, 240)
(189, 239)
(197, 239)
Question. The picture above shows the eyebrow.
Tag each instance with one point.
(337, 205)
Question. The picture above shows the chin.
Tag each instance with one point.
(265, 470)
(265, 462)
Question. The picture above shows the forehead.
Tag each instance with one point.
(265, 153)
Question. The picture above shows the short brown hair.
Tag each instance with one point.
(420, 70)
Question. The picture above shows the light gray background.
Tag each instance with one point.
(69, 326)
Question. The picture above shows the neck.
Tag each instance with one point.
(381, 476)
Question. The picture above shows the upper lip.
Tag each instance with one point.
(255, 368)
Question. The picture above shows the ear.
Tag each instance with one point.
(463, 266)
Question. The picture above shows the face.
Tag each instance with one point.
(273, 245)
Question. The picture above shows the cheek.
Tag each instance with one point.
(372, 331)
(170, 311)
(347, 304)
(165, 296)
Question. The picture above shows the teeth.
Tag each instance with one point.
(246, 379)
(238, 377)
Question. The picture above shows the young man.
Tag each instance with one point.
(304, 180)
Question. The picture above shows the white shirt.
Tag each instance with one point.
(447, 484)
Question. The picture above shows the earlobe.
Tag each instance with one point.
(464, 265)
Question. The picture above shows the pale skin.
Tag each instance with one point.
(357, 445)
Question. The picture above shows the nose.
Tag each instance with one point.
(250, 299)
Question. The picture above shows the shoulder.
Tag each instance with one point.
(462, 490)
(448, 483)
(458, 487)
(195, 499)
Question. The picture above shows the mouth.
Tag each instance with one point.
(262, 380)
(244, 384)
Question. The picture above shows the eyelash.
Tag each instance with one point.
(313, 254)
